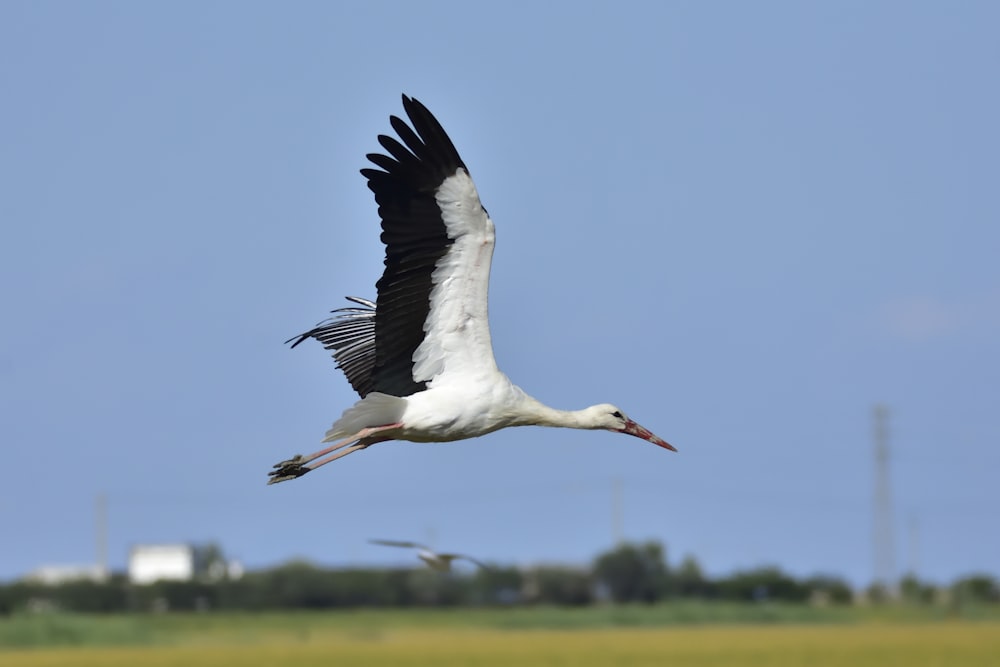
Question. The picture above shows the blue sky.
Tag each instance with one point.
(745, 224)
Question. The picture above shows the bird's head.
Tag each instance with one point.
(611, 418)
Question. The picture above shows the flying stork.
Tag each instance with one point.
(434, 560)
(420, 356)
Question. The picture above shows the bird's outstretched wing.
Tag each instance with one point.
(468, 558)
(431, 317)
(431, 557)
(397, 543)
(350, 336)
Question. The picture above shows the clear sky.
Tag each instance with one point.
(743, 223)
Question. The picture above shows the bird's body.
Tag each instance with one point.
(421, 357)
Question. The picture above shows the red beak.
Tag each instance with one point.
(634, 429)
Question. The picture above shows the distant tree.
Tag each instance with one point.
(397, 590)
(914, 591)
(297, 585)
(558, 585)
(688, 580)
(81, 595)
(210, 562)
(834, 589)
(16, 595)
(976, 588)
(496, 585)
(634, 572)
(761, 584)
(877, 593)
(166, 595)
(90, 596)
(436, 589)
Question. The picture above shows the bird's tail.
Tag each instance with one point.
(375, 409)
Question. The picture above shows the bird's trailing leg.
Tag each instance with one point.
(299, 465)
(353, 448)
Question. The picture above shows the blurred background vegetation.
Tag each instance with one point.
(628, 573)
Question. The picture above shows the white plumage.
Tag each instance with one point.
(421, 357)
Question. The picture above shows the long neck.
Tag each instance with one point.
(536, 413)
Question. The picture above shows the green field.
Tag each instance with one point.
(666, 635)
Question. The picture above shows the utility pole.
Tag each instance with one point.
(882, 521)
(101, 533)
(914, 530)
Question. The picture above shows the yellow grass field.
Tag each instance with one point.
(941, 644)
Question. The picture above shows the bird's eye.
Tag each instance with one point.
(617, 415)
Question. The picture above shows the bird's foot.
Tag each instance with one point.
(287, 470)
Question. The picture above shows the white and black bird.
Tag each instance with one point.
(421, 356)
(434, 560)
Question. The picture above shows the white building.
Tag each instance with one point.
(179, 562)
(60, 574)
(152, 562)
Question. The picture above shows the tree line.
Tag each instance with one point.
(628, 573)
